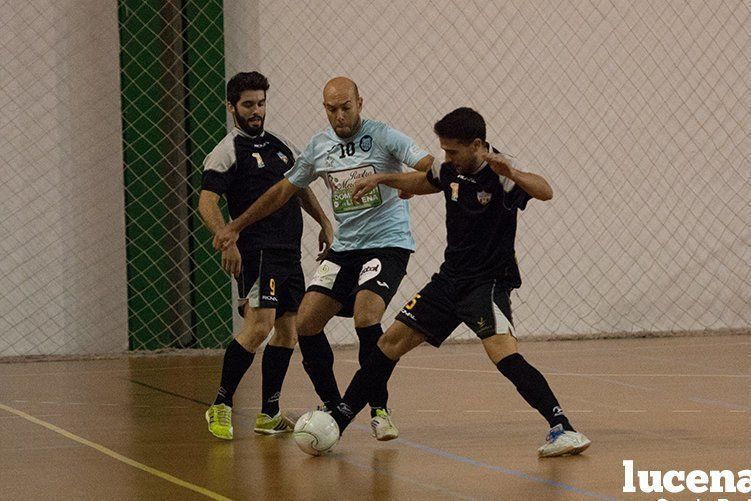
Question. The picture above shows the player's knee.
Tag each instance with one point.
(306, 326)
(253, 334)
(396, 342)
(284, 333)
(251, 339)
(367, 317)
(499, 346)
(288, 339)
(369, 308)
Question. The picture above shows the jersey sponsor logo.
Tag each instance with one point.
(366, 142)
(465, 178)
(325, 275)
(369, 271)
(484, 197)
(342, 182)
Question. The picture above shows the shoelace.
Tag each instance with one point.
(223, 416)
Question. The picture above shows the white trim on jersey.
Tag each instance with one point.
(436, 168)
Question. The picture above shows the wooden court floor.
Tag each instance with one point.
(133, 428)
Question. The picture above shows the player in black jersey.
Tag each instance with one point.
(484, 192)
(265, 261)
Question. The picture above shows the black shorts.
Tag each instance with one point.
(343, 274)
(483, 305)
(270, 278)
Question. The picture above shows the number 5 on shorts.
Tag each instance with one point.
(412, 303)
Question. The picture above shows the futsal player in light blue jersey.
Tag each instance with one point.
(368, 259)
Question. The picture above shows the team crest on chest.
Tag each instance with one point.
(484, 197)
(366, 143)
(283, 157)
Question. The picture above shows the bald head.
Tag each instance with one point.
(340, 85)
(343, 103)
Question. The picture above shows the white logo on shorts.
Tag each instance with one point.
(369, 271)
(383, 284)
(326, 274)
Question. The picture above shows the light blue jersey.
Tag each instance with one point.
(382, 219)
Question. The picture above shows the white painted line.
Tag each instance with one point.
(115, 455)
(427, 410)
(477, 411)
(687, 411)
(575, 374)
(632, 410)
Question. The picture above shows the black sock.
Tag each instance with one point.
(274, 367)
(237, 360)
(534, 388)
(368, 337)
(318, 361)
(374, 373)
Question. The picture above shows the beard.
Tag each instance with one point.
(251, 130)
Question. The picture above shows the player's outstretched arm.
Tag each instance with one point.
(424, 164)
(415, 183)
(268, 203)
(534, 184)
(309, 203)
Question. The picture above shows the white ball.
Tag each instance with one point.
(316, 432)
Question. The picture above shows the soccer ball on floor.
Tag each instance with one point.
(316, 433)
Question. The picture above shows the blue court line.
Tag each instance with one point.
(430, 450)
(403, 478)
(500, 469)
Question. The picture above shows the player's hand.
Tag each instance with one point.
(231, 260)
(363, 186)
(325, 238)
(502, 164)
(225, 237)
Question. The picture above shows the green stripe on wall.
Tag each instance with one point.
(172, 84)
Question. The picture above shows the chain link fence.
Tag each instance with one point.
(637, 113)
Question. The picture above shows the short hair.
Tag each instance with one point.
(463, 124)
(245, 81)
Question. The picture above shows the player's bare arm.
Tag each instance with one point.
(208, 208)
(309, 203)
(267, 204)
(414, 183)
(424, 164)
(534, 184)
